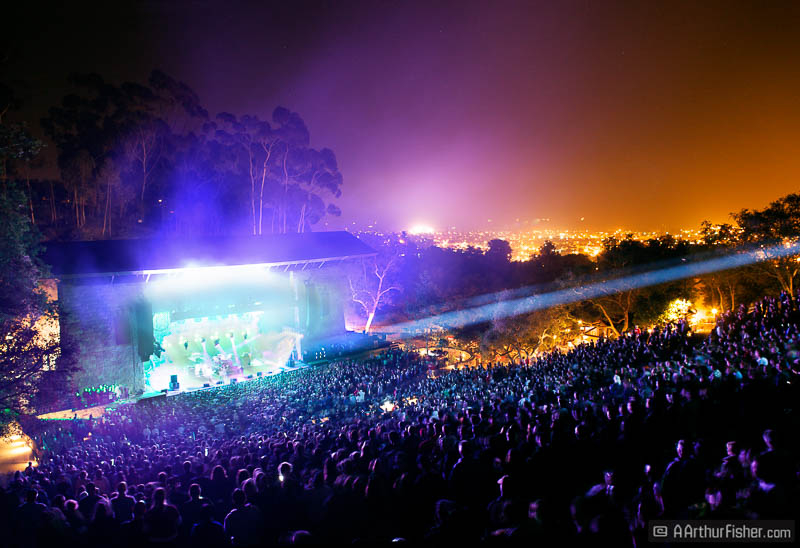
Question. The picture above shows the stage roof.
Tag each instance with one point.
(153, 256)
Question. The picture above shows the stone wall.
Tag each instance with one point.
(99, 318)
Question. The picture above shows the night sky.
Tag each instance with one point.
(643, 115)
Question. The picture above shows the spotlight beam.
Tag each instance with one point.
(515, 307)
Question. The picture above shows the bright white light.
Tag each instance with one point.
(388, 406)
(201, 279)
(421, 229)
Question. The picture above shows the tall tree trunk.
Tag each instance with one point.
(261, 192)
(30, 198)
(301, 222)
(105, 211)
(53, 213)
(608, 319)
(144, 176)
(261, 204)
(252, 190)
(371, 317)
(285, 190)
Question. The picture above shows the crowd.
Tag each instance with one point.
(582, 447)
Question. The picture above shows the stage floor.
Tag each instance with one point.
(188, 377)
(99, 410)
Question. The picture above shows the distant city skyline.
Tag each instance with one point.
(526, 242)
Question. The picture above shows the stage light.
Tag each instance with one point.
(421, 229)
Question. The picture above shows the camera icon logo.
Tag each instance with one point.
(660, 531)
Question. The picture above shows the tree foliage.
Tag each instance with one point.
(776, 225)
(32, 362)
(137, 158)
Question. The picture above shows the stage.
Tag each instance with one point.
(211, 327)
(99, 410)
(189, 383)
(153, 315)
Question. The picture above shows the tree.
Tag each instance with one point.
(499, 251)
(776, 225)
(30, 350)
(285, 175)
(372, 283)
(521, 336)
(617, 303)
(110, 176)
(179, 169)
(725, 288)
(16, 143)
(254, 142)
(547, 250)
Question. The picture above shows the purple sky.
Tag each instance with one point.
(643, 115)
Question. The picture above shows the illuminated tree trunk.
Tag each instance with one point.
(268, 152)
(106, 223)
(53, 213)
(30, 199)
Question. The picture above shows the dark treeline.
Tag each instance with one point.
(138, 159)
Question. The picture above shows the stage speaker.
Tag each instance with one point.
(249, 376)
(173, 382)
(259, 374)
(143, 313)
(234, 380)
(122, 328)
(206, 385)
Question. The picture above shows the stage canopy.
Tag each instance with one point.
(282, 252)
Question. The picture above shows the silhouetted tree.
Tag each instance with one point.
(499, 251)
(32, 361)
(776, 225)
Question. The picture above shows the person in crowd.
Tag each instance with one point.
(161, 520)
(122, 505)
(207, 533)
(244, 523)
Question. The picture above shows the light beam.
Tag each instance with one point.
(516, 306)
